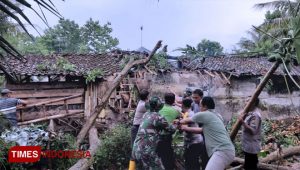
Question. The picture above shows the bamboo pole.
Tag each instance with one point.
(255, 95)
(88, 124)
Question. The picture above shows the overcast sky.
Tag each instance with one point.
(176, 22)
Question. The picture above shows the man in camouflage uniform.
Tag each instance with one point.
(145, 145)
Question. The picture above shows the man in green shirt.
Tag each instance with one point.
(217, 141)
(165, 150)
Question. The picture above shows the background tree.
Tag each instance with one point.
(63, 37)
(97, 38)
(209, 48)
(204, 48)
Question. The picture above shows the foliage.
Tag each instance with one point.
(2, 80)
(68, 37)
(12, 10)
(203, 49)
(63, 37)
(115, 150)
(93, 74)
(64, 141)
(25, 44)
(64, 65)
(160, 61)
(42, 67)
(209, 48)
(97, 38)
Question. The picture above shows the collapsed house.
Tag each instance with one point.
(231, 80)
(65, 87)
(72, 84)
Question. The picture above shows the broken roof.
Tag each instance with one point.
(237, 66)
(36, 65)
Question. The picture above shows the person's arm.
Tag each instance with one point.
(192, 129)
(23, 102)
(253, 125)
(186, 121)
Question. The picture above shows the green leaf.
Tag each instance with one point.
(296, 39)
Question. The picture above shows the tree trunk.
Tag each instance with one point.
(85, 163)
(263, 165)
(257, 92)
(90, 121)
(274, 156)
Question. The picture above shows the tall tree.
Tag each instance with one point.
(97, 38)
(63, 37)
(204, 48)
(209, 48)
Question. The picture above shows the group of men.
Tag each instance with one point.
(207, 144)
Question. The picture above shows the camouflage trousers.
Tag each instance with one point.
(148, 161)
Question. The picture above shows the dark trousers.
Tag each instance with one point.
(192, 157)
(193, 154)
(166, 152)
(134, 131)
(251, 161)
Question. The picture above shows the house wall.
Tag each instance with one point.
(35, 93)
(230, 99)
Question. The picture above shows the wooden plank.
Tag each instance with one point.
(36, 115)
(226, 79)
(49, 117)
(46, 93)
(207, 72)
(77, 100)
(45, 85)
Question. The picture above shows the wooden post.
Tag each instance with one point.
(255, 95)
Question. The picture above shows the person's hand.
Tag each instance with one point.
(240, 118)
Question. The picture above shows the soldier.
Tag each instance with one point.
(145, 145)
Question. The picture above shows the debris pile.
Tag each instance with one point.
(26, 136)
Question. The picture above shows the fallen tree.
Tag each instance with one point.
(93, 137)
(85, 163)
(91, 120)
(255, 95)
(277, 155)
(261, 165)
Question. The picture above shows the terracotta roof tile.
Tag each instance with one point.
(237, 66)
(109, 63)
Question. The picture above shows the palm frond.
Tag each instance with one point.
(11, 9)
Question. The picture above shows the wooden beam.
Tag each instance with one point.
(49, 101)
(49, 117)
(226, 79)
(27, 116)
(148, 69)
(45, 86)
(209, 73)
(46, 93)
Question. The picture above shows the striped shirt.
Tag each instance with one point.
(8, 108)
